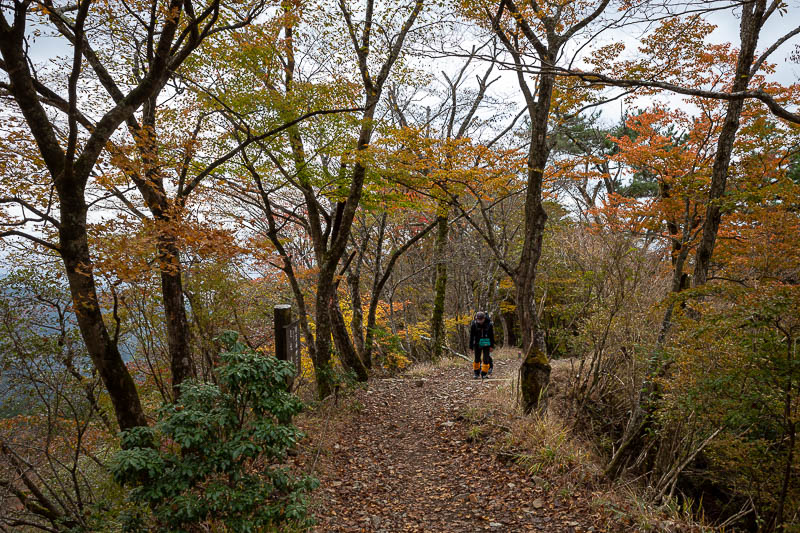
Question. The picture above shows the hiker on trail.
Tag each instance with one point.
(481, 339)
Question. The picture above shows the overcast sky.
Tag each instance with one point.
(727, 31)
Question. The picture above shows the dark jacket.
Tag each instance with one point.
(477, 331)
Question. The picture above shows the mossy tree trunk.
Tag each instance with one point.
(534, 376)
(524, 34)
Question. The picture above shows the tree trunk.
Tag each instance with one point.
(440, 287)
(288, 268)
(151, 186)
(302, 311)
(180, 352)
(535, 376)
(524, 311)
(341, 338)
(504, 323)
(369, 337)
(357, 324)
(374, 298)
(749, 29)
(323, 370)
(329, 259)
(534, 372)
(535, 216)
(74, 248)
(678, 284)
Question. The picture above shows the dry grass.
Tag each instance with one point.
(421, 370)
(542, 445)
(561, 461)
(625, 503)
(507, 353)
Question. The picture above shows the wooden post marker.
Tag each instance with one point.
(283, 317)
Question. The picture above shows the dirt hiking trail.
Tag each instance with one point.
(405, 462)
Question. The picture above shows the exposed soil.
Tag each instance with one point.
(404, 462)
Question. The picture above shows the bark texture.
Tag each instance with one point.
(180, 353)
(102, 347)
(149, 181)
(357, 322)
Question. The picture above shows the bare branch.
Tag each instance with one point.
(37, 240)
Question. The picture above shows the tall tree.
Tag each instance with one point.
(169, 32)
(536, 33)
(668, 67)
(753, 17)
(317, 184)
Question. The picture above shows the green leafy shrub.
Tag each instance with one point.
(215, 455)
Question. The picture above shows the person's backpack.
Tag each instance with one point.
(484, 341)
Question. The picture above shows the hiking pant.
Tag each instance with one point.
(487, 360)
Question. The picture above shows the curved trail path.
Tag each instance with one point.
(404, 463)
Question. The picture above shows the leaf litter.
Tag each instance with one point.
(404, 462)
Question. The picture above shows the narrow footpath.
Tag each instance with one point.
(403, 462)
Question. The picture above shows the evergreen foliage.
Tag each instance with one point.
(214, 456)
